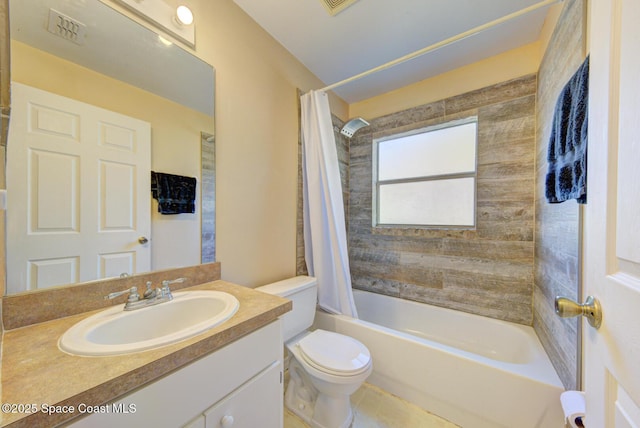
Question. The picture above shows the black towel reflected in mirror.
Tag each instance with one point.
(176, 194)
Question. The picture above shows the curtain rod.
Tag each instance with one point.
(442, 43)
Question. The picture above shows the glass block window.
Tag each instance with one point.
(427, 178)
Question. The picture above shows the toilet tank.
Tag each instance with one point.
(303, 292)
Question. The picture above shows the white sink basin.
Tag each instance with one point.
(114, 331)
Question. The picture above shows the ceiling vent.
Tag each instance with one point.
(336, 6)
(66, 27)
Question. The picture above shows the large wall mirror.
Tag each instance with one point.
(114, 63)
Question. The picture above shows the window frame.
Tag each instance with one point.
(376, 183)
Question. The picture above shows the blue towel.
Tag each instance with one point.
(175, 194)
(567, 174)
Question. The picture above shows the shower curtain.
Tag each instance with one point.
(325, 236)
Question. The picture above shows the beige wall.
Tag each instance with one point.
(5, 108)
(256, 142)
(500, 68)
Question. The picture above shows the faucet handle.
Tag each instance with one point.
(167, 282)
(133, 294)
(166, 291)
(149, 293)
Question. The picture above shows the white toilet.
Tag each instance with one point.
(325, 367)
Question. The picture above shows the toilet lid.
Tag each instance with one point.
(334, 353)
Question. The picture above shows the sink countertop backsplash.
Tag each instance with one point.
(19, 310)
(35, 371)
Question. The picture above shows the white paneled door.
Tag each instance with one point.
(78, 192)
(612, 216)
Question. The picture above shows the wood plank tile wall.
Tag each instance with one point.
(487, 271)
(557, 231)
(208, 198)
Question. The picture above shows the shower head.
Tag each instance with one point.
(352, 126)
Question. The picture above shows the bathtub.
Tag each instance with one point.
(474, 371)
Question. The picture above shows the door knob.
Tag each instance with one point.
(567, 308)
(227, 421)
(143, 240)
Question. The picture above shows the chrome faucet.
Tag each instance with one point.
(151, 296)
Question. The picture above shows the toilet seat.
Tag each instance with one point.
(334, 353)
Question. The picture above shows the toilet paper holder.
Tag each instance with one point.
(573, 406)
(591, 309)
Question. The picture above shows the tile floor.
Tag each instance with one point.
(376, 408)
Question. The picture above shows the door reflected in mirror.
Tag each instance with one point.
(140, 76)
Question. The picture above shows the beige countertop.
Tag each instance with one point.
(36, 373)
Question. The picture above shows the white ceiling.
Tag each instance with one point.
(373, 32)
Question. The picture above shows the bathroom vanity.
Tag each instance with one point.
(238, 386)
(209, 380)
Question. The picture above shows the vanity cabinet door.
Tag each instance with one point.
(257, 403)
(196, 423)
(183, 396)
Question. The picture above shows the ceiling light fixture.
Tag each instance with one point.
(178, 21)
(184, 16)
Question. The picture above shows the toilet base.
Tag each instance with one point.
(316, 409)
